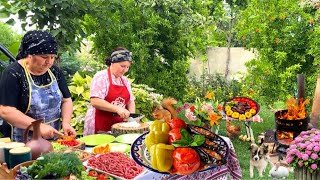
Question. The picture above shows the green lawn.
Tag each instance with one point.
(241, 147)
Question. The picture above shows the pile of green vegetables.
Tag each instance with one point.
(56, 166)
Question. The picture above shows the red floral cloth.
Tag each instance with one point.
(231, 168)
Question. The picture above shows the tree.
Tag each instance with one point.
(281, 31)
(9, 39)
(162, 34)
(63, 18)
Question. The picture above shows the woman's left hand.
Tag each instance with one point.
(68, 130)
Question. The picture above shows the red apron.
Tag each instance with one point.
(118, 95)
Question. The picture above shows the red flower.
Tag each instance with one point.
(192, 108)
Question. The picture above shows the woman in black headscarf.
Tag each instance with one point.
(32, 88)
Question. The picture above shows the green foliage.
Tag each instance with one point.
(80, 91)
(69, 64)
(56, 165)
(222, 89)
(10, 39)
(284, 35)
(146, 99)
(162, 35)
(64, 19)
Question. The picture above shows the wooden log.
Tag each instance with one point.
(316, 105)
(301, 86)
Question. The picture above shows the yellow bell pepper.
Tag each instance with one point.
(161, 157)
(229, 112)
(248, 114)
(235, 115)
(155, 137)
(227, 108)
(242, 117)
(159, 125)
(158, 133)
(253, 111)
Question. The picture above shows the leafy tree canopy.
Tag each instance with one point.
(63, 18)
(163, 35)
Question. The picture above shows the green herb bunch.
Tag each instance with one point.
(56, 165)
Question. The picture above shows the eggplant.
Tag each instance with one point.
(209, 156)
(203, 131)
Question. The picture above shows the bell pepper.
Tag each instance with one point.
(158, 133)
(235, 115)
(161, 157)
(242, 117)
(159, 125)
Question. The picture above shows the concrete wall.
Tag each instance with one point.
(217, 57)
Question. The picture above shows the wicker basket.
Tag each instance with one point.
(24, 164)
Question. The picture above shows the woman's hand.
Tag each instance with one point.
(123, 113)
(68, 130)
(48, 132)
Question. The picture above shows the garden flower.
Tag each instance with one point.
(305, 150)
(213, 118)
(202, 112)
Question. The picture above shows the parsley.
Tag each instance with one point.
(188, 140)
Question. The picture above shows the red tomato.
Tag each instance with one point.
(185, 160)
(174, 134)
(103, 177)
(177, 123)
(93, 173)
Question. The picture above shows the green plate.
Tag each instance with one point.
(127, 138)
(117, 147)
(97, 139)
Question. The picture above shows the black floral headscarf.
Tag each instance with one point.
(37, 42)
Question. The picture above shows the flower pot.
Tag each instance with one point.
(302, 173)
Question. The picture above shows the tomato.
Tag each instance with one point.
(185, 160)
(177, 123)
(103, 177)
(93, 173)
(174, 134)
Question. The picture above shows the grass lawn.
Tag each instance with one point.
(241, 147)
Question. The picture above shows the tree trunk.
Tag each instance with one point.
(316, 105)
(229, 37)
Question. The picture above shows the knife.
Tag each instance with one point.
(132, 117)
